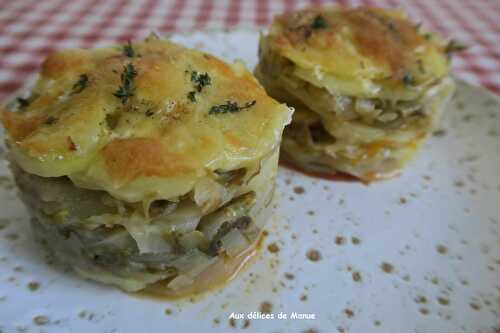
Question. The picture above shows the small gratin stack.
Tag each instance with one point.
(368, 87)
(146, 165)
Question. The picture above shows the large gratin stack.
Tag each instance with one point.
(367, 84)
(146, 165)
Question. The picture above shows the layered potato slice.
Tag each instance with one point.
(368, 87)
(146, 165)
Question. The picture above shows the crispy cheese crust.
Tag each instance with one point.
(368, 86)
(161, 140)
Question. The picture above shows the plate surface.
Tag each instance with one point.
(418, 253)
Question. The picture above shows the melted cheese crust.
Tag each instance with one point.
(360, 51)
(156, 145)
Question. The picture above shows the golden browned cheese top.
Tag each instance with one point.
(140, 120)
(371, 43)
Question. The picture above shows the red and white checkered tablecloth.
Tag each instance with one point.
(30, 29)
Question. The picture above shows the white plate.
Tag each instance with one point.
(437, 225)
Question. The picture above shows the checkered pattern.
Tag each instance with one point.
(30, 29)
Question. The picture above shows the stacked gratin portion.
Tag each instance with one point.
(368, 87)
(146, 165)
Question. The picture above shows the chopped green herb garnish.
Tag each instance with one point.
(127, 88)
(112, 120)
(408, 79)
(152, 36)
(200, 80)
(230, 107)
(391, 27)
(128, 50)
(23, 102)
(149, 113)
(81, 84)
(51, 120)
(427, 36)
(420, 65)
(192, 96)
(454, 46)
(319, 22)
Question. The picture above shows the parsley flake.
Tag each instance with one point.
(112, 120)
(454, 46)
(319, 22)
(230, 107)
(23, 102)
(51, 120)
(409, 80)
(127, 88)
(192, 96)
(81, 84)
(200, 80)
(420, 65)
(128, 50)
(391, 27)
